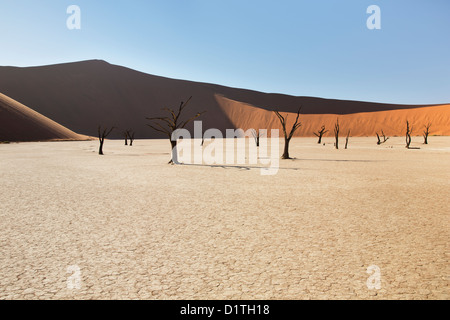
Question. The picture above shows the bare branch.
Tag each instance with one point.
(191, 119)
(163, 131)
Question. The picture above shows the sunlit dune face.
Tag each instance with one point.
(20, 123)
(392, 122)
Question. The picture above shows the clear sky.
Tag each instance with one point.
(319, 48)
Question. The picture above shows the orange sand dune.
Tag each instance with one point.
(20, 123)
(392, 122)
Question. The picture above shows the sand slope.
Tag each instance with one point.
(20, 123)
(392, 122)
(83, 95)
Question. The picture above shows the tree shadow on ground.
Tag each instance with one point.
(335, 160)
(240, 167)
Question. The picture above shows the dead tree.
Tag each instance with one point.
(102, 134)
(384, 138)
(168, 125)
(125, 133)
(320, 134)
(408, 134)
(426, 132)
(131, 137)
(288, 136)
(346, 139)
(257, 135)
(336, 133)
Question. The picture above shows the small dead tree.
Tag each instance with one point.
(131, 136)
(168, 125)
(320, 134)
(426, 132)
(408, 134)
(257, 135)
(288, 136)
(346, 139)
(336, 133)
(102, 135)
(384, 138)
(125, 133)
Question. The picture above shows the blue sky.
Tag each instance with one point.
(316, 48)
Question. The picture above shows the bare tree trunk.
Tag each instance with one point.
(346, 139)
(256, 135)
(426, 133)
(174, 159)
(100, 150)
(336, 134)
(408, 135)
(101, 137)
(131, 137)
(384, 138)
(286, 149)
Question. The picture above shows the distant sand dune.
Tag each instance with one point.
(392, 122)
(20, 123)
(83, 95)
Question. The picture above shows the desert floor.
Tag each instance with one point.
(138, 228)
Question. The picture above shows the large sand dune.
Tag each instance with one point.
(83, 95)
(392, 122)
(20, 123)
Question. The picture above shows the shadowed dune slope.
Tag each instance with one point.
(392, 122)
(83, 95)
(20, 123)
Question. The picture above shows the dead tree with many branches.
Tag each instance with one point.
(169, 124)
(320, 134)
(102, 135)
(288, 136)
